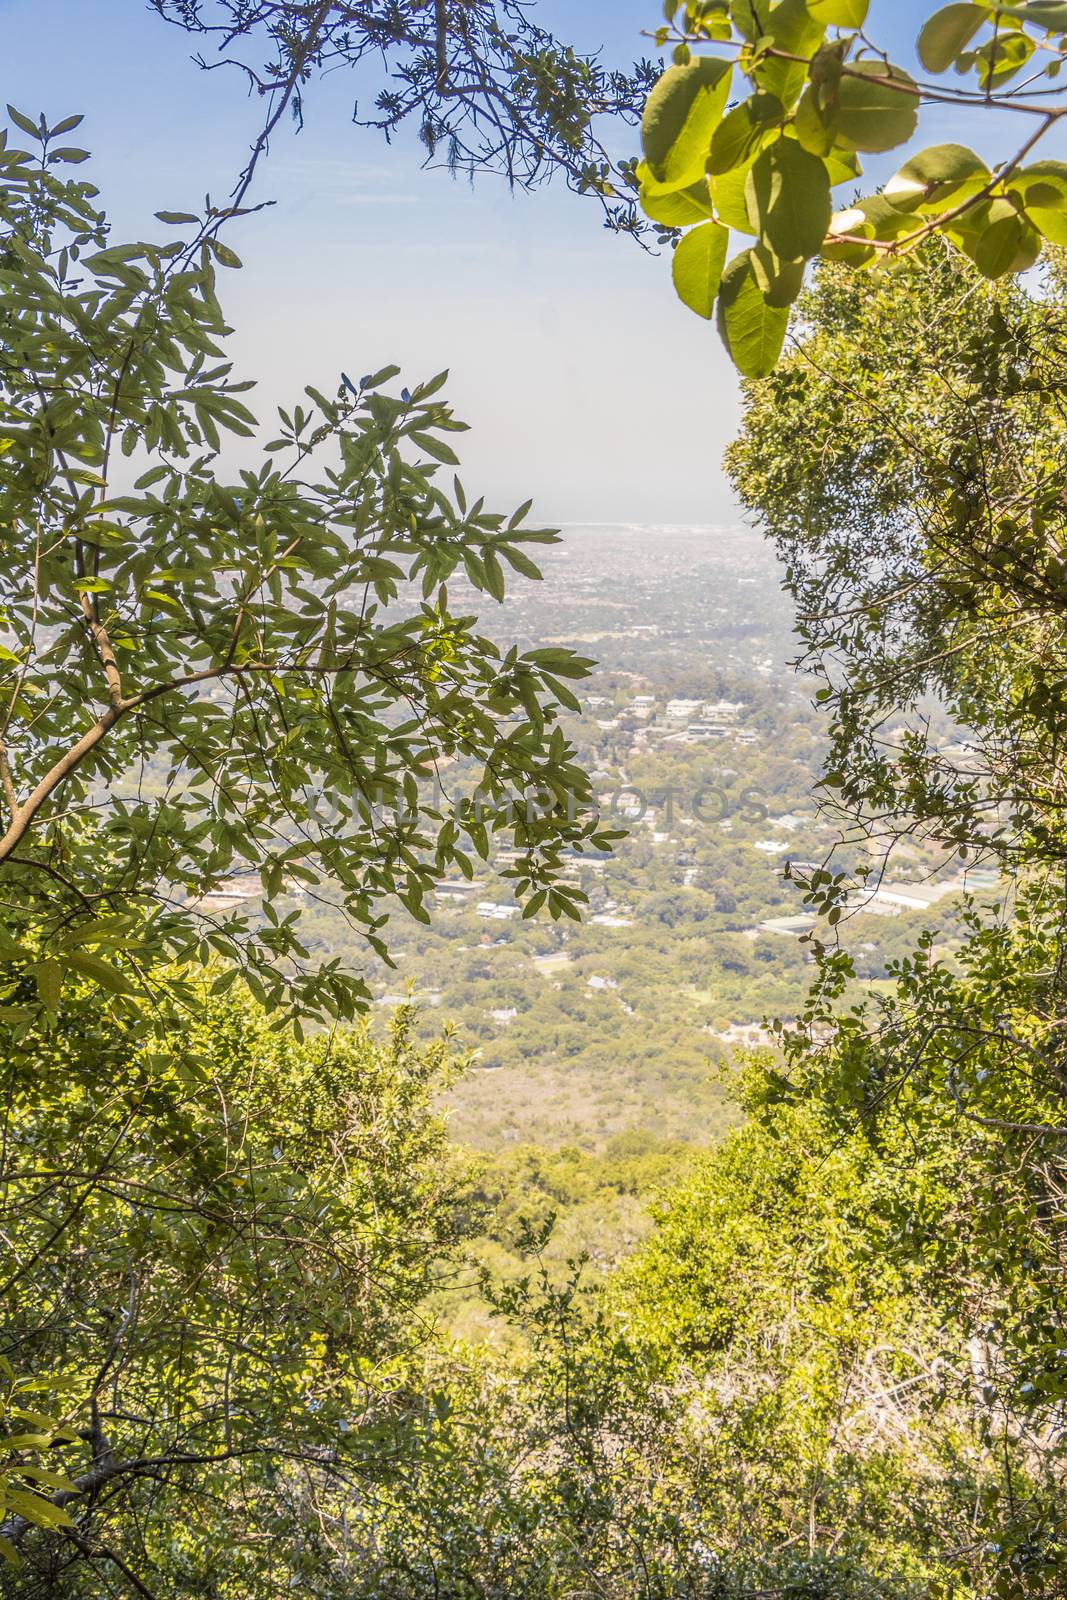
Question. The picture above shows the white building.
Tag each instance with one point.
(684, 710)
(723, 710)
(489, 911)
(892, 899)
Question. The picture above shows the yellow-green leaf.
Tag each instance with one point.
(935, 175)
(788, 195)
(728, 194)
(877, 106)
(752, 331)
(680, 116)
(49, 975)
(1049, 222)
(1003, 57)
(1042, 183)
(839, 13)
(1048, 14)
(779, 281)
(947, 33)
(101, 972)
(697, 267)
(676, 208)
(741, 132)
(1006, 244)
(812, 132)
(791, 28)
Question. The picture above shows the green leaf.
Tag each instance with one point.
(947, 33)
(752, 331)
(697, 267)
(788, 195)
(374, 380)
(728, 195)
(1050, 221)
(1006, 244)
(36, 1509)
(1048, 14)
(873, 218)
(854, 254)
(676, 208)
(790, 27)
(839, 13)
(45, 1476)
(494, 575)
(934, 175)
(49, 975)
(737, 138)
(812, 132)
(1042, 183)
(1003, 57)
(23, 122)
(842, 166)
(223, 254)
(886, 221)
(1042, 188)
(876, 115)
(436, 448)
(743, 17)
(779, 281)
(680, 115)
(101, 972)
(564, 695)
(520, 561)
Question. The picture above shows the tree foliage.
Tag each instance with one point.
(488, 88)
(819, 94)
(906, 458)
(261, 674)
(837, 1366)
(841, 1292)
(222, 1256)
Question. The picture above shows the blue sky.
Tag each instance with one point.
(585, 383)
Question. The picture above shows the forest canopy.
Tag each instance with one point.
(828, 1358)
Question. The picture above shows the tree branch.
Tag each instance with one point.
(73, 758)
(15, 1529)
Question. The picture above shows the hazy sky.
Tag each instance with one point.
(585, 383)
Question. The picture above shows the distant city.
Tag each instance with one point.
(705, 745)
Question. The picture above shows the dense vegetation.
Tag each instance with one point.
(266, 1327)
